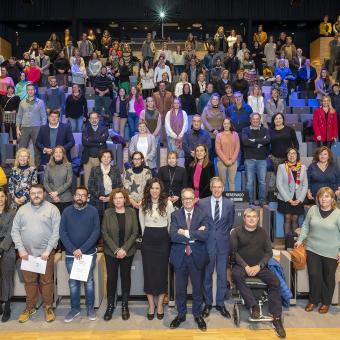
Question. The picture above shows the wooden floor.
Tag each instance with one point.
(213, 334)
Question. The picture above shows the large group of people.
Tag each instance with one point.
(205, 112)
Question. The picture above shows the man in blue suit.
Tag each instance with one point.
(306, 77)
(189, 256)
(221, 213)
(52, 134)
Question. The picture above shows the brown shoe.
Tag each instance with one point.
(323, 309)
(25, 315)
(310, 307)
(49, 314)
(166, 299)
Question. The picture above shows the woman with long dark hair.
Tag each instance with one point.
(146, 77)
(7, 256)
(200, 172)
(136, 105)
(155, 217)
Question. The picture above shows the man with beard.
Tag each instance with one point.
(79, 233)
(35, 232)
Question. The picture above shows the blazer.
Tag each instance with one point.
(152, 149)
(207, 173)
(303, 73)
(68, 54)
(286, 191)
(295, 63)
(271, 108)
(219, 233)
(197, 240)
(110, 232)
(45, 64)
(321, 127)
(64, 138)
(96, 185)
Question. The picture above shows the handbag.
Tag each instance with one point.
(299, 257)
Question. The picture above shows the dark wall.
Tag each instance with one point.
(182, 9)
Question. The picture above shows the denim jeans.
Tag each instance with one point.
(178, 69)
(101, 104)
(255, 168)
(132, 122)
(76, 124)
(180, 153)
(75, 286)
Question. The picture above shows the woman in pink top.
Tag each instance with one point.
(5, 81)
(227, 149)
(136, 105)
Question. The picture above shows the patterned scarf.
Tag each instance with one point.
(293, 167)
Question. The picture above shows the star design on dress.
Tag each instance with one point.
(128, 175)
(134, 187)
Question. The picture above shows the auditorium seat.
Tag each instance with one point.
(305, 117)
(291, 119)
(313, 103)
(302, 149)
(307, 161)
(336, 149)
(98, 275)
(311, 147)
(4, 138)
(288, 110)
(299, 136)
(301, 110)
(297, 102)
(117, 152)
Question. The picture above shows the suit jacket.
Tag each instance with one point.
(110, 231)
(295, 63)
(45, 61)
(68, 54)
(207, 173)
(286, 191)
(302, 75)
(197, 240)
(64, 138)
(219, 233)
(163, 104)
(150, 158)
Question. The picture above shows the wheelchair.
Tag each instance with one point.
(259, 289)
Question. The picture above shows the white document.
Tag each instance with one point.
(34, 265)
(81, 268)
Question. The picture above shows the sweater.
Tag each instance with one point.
(322, 234)
(227, 146)
(212, 119)
(31, 113)
(76, 108)
(251, 248)
(80, 229)
(192, 138)
(36, 228)
(54, 98)
(255, 143)
(281, 140)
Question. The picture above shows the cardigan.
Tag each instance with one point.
(110, 232)
(322, 234)
(151, 155)
(286, 191)
(207, 173)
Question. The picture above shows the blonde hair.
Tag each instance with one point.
(52, 160)
(191, 190)
(30, 160)
(325, 190)
(249, 211)
(185, 75)
(259, 88)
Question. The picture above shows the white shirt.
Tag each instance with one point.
(257, 104)
(213, 204)
(158, 73)
(132, 105)
(186, 233)
(167, 53)
(168, 128)
(142, 146)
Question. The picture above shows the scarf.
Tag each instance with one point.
(106, 179)
(293, 167)
(176, 121)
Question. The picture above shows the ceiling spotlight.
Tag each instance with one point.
(162, 14)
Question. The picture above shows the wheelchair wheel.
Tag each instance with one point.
(236, 315)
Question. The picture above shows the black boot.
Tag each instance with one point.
(7, 312)
(1, 310)
(109, 311)
(125, 310)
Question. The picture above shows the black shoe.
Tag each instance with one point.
(125, 311)
(109, 311)
(223, 311)
(7, 312)
(176, 322)
(201, 323)
(255, 312)
(1, 310)
(151, 316)
(206, 310)
(278, 326)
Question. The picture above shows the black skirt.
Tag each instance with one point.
(155, 254)
(286, 208)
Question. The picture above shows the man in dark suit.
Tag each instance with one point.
(52, 134)
(297, 62)
(189, 256)
(306, 77)
(221, 213)
(69, 49)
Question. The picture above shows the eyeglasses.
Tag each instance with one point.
(137, 159)
(80, 196)
(188, 198)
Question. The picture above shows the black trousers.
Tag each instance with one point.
(239, 276)
(112, 266)
(321, 272)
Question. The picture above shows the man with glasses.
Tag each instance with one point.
(35, 232)
(189, 256)
(79, 233)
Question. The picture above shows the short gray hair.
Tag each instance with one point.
(215, 179)
(249, 211)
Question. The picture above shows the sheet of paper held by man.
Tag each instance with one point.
(81, 268)
(34, 265)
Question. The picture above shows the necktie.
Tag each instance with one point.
(188, 250)
(217, 212)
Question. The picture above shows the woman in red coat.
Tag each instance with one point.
(325, 123)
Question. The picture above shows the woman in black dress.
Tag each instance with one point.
(154, 217)
(292, 186)
(174, 179)
(7, 256)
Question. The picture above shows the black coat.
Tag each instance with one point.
(188, 104)
(207, 173)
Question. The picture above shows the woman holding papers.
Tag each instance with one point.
(154, 217)
(120, 230)
(7, 256)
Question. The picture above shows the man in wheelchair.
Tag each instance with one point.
(252, 250)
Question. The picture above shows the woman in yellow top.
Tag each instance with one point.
(325, 27)
(3, 177)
